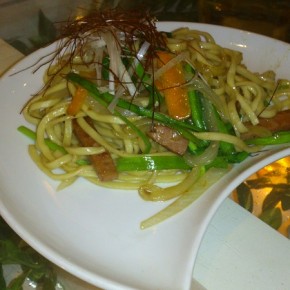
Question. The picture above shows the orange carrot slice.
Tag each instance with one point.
(170, 83)
(77, 101)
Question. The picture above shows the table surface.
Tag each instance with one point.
(238, 251)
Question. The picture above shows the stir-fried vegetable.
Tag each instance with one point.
(171, 83)
(227, 149)
(32, 135)
(151, 162)
(197, 112)
(77, 101)
(106, 98)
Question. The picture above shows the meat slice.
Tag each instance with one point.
(169, 138)
(102, 163)
(280, 122)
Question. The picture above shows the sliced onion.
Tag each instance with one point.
(142, 51)
(201, 86)
(204, 158)
(174, 61)
(140, 55)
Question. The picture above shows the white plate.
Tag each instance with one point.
(94, 232)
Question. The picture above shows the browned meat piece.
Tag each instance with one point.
(280, 122)
(102, 163)
(169, 138)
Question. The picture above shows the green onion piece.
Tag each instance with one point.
(237, 157)
(218, 162)
(140, 72)
(83, 162)
(154, 94)
(27, 132)
(276, 139)
(32, 135)
(192, 147)
(149, 162)
(225, 147)
(189, 69)
(196, 109)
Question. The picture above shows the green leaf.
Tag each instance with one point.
(10, 253)
(258, 182)
(288, 175)
(272, 217)
(17, 283)
(285, 201)
(34, 266)
(272, 199)
(2, 278)
(245, 197)
(49, 283)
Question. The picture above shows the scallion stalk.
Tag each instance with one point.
(276, 139)
(196, 109)
(32, 135)
(150, 162)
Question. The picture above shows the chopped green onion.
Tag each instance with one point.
(154, 94)
(196, 109)
(276, 139)
(225, 147)
(237, 157)
(32, 135)
(149, 162)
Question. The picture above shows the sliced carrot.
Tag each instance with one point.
(77, 101)
(170, 84)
